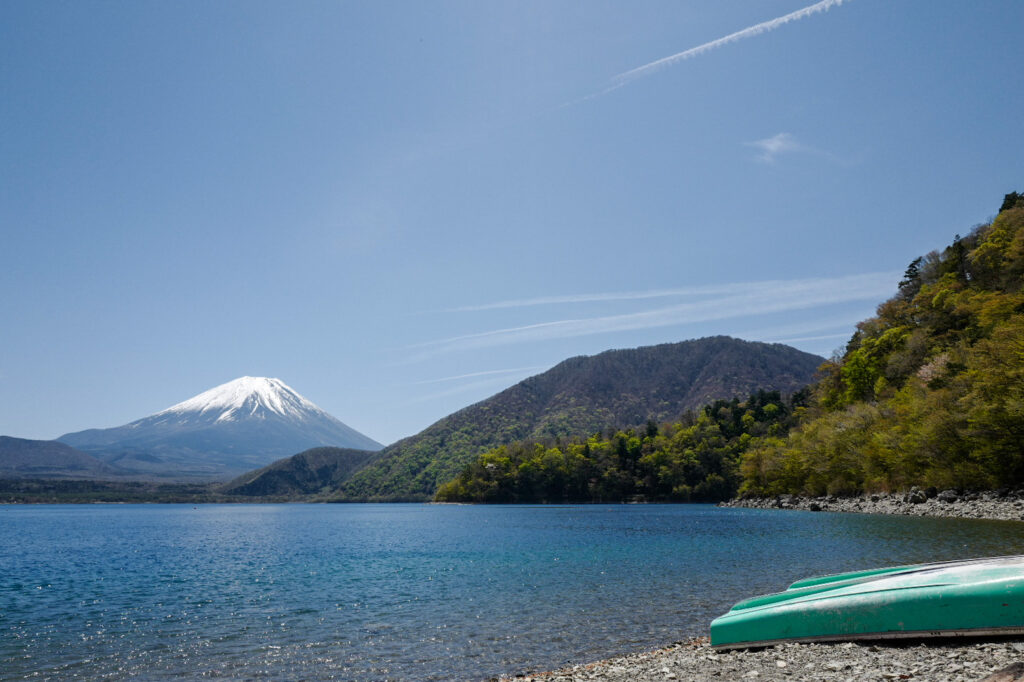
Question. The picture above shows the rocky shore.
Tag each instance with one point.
(695, 660)
(1004, 505)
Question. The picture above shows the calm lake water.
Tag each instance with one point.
(407, 592)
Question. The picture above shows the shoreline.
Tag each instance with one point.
(695, 660)
(1002, 505)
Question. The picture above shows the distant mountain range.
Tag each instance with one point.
(235, 427)
(23, 458)
(255, 425)
(619, 388)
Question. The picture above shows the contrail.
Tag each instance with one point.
(770, 25)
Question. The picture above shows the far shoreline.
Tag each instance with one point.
(996, 505)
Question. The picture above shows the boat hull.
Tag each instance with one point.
(973, 598)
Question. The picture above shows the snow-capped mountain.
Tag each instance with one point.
(241, 425)
(244, 398)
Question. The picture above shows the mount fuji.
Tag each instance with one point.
(235, 427)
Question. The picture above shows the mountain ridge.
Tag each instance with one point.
(583, 394)
(27, 458)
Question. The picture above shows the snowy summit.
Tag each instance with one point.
(247, 397)
(241, 425)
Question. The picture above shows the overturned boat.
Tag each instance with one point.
(970, 598)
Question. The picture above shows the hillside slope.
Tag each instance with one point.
(618, 388)
(930, 391)
(306, 473)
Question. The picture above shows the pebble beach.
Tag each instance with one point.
(956, 660)
(847, 662)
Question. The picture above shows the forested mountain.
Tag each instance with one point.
(307, 473)
(930, 391)
(695, 459)
(583, 395)
(23, 458)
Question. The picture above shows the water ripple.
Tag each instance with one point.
(406, 592)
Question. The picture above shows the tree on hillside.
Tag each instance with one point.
(911, 282)
(1010, 201)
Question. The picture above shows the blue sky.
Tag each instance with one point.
(400, 208)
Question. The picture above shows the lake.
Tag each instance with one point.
(408, 592)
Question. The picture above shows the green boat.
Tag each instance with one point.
(971, 598)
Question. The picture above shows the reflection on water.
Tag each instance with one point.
(367, 592)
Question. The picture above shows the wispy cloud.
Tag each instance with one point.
(772, 147)
(722, 289)
(749, 32)
(785, 143)
(491, 372)
(820, 337)
(740, 300)
(491, 383)
(706, 290)
(819, 328)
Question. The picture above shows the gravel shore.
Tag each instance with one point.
(695, 660)
(1004, 505)
(935, 661)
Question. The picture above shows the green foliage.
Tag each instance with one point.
(696, 459)
(995, 402)
(929, 392)
(863, 372)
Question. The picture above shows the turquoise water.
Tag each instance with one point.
(407, 592)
